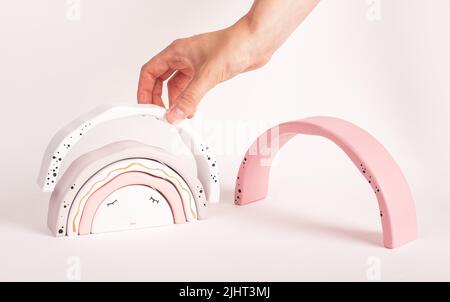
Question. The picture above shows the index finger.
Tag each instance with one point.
(150, 72)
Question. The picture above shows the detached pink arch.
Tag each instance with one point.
(397, 211)
(126, 179)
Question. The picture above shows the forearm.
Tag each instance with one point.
(270, 22)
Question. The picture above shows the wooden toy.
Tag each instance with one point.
(126, 184)
(397, 211)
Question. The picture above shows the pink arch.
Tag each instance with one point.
(397, 211)
(126, 179)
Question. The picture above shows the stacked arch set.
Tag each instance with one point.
(128, 184)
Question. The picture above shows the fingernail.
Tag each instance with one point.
(175, 115)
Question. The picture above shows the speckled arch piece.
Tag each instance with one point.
(397, 211)
(93, 166)
(69, 135)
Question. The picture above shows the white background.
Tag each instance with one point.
(320, 221)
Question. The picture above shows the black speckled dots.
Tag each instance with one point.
(369, 178)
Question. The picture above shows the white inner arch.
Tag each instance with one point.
(132, 207)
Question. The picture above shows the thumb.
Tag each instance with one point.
(186, 103)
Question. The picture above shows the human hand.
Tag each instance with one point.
(192, 66)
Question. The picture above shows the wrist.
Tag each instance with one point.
(257, 44)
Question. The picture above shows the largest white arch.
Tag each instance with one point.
(68, 136)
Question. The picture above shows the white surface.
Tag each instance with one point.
(320, 221)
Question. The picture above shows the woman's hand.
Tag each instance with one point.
(194, 65)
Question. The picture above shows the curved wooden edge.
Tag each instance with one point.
(397, 211)
(68, 136)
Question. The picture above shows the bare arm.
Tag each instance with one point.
(196, 64)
